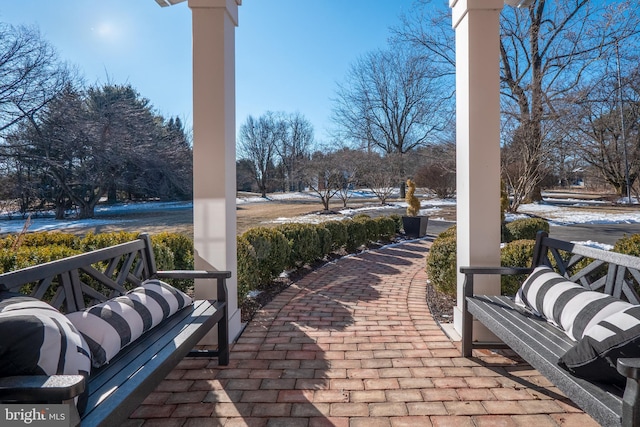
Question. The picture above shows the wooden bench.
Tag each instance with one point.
(541, 344)
(116, 389)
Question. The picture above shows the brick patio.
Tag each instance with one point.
(353, 344)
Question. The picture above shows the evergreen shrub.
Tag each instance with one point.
(248, 268)
(338, 231)
(526, 228)
(272, 251)
(398, 222)
(386, 228)
(324, 240)
(629, 245)
(517, 253)
(441, 264)
(356, 235)
(304, 243)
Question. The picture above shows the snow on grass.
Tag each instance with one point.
(563, 215)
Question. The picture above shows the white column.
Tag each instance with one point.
(476, 23)
(214, 148)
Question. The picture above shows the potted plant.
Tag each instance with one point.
(414, 225)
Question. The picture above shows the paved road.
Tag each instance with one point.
(601, 233)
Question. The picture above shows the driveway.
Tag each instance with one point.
(601, 233)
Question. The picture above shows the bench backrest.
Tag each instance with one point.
(79, 281)
(613, 273)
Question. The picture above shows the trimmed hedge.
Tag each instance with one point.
(304, 243)
(441, 264)
(517, 253)
(629, 245)
(356, 235)
(248, 268)
(525, 228)
(338, 231)
(272, 251)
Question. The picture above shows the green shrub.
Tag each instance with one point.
(338, 231)
(398, 222)
(304, 244)
(526, 228)
(449, 232)
(517, 253)
(92, 241)
(272, 251)
(629, 245)
(248, 268)
(371, 229)
(360, 216)
(386, 228)
(324, 240)
(180, 246)
(441, 264)
(44, 238)
(356, 235)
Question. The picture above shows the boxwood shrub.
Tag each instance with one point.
(272, 251)
(304, 243)
(356, 235)
(525, 228)
(338, 231)
(517, 253)
(248, 268)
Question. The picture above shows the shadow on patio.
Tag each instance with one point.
(353, 344)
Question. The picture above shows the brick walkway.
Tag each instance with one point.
(353, 344)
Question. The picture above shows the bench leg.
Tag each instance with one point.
(223, 339)
(467, 319)
(631, 404)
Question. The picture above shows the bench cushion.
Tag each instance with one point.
(595, 356)
(566, 304)
(110, 326)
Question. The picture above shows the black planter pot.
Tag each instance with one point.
(415, 226)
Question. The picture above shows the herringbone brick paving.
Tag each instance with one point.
(353, 344)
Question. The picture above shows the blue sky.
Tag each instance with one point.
(290, 54)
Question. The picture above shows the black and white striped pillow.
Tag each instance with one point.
(565, 304)
(595, 356)
(36, 339)
(110, 326)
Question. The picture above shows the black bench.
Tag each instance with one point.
(116, 389)
(541, 344)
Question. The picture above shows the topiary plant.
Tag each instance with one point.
(413, 204)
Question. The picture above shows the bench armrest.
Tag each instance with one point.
(193, 274)
(41, 388)
(220, 276)
(496, 270)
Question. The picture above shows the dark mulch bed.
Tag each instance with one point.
(440, 305)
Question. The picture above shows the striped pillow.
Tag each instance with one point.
(565, 304)
(36, 339)
(595, 356)
(110, 326)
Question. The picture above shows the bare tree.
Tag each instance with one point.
(257, 142)
(389, 103)
(381, 174)
(31, 74)
(294, 146)
(323, 175)
(546, 51)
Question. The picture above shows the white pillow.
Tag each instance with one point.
(110, 326)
